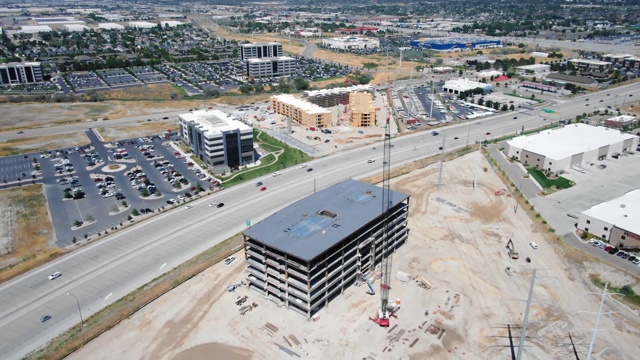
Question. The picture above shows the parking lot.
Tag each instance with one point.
(117, 77)
(85, 81)
(596, 185)
(17, 168)
(86, 197)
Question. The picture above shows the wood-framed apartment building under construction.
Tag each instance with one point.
(308, 253)
(362, 110)
(300, 111)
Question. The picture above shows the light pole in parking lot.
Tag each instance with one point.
(79, 309)
(78, 207)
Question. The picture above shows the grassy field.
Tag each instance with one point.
(545, 182)
(29, 229)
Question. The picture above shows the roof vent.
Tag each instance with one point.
(327, 213)
(623, 206)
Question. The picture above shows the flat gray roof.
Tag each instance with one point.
(310, 226)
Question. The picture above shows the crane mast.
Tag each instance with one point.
(386, 261)
(386, 254)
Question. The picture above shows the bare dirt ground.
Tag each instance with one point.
(143, 128)
(42, 143)
(457, 242)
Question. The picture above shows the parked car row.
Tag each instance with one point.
(140, 182)
(615, 251)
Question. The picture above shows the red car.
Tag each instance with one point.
(264, 188)
(607, 248)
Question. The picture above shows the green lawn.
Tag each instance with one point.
(289, 157)
(559, 183)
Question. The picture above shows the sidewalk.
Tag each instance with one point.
(515, 172)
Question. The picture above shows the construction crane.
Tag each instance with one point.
(385, 311)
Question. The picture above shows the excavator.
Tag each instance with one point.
(423, 283)
(511, 249)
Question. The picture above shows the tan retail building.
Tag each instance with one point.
(300, 111)
(363, 111)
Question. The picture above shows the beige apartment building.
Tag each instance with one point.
(300, 111)
(363, 111)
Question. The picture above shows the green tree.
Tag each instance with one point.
(301, 83)
(246, 88)
(135, 212)
(212, 93)
(283, 86)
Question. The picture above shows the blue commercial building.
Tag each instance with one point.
(454, 44)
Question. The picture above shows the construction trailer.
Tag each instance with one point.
(308, 253)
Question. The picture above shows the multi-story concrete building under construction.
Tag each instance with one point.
(20, 73)
(308, 253)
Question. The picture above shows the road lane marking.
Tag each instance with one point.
(163, 265)
(108, 296)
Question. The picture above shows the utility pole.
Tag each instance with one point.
(433, 91)
(526, 316)
(604, 295)
(441, 163)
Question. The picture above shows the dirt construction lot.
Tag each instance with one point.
(457, 242)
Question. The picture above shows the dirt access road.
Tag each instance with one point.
(457, 242)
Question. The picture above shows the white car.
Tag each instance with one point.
(188, 207)
(55, 275)
(370, 161)
(302, 166)
(212, 204)
(229, 260)
(533, 244)
(180, 197)
(277, 173)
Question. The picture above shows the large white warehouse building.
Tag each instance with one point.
(615, 220)
(352, 43)
(572, 145)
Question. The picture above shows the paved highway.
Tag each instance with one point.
(101, 273)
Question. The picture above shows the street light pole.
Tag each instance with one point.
(79, 310)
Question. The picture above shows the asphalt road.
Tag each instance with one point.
(103, 272)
